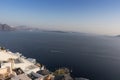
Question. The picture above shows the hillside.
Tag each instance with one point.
(5, 27)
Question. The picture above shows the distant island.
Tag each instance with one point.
(5, 27)
(56, 31)
(118, 36)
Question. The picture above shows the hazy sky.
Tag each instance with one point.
(91, 16)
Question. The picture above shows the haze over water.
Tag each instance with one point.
(91, 56)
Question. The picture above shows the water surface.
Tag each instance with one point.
(91, 56)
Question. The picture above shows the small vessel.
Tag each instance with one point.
(56, 51)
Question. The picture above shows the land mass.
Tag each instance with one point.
(118, 36)
(5, 27)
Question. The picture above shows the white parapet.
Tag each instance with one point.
(19, 62)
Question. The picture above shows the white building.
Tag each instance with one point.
(18, 62)
(21, 77)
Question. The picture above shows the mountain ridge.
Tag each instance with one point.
(5, 27)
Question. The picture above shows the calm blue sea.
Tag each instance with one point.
(92, 56)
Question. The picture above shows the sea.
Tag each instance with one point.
(96, 57)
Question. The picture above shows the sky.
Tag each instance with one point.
(89, 16)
